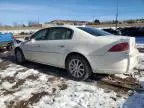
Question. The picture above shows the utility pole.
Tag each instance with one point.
(117, 9)
(93, 18)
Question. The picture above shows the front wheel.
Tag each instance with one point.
(19, 56)
(78, 67)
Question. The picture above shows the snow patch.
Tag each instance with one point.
(81, 95)
(142, 56)
(1, 60)
(140, 45)
(10, 71)
(23, 75)
(5, 100)
(43, 77)
(121, 76)
(7, 85)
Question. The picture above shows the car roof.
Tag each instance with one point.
(67, 26)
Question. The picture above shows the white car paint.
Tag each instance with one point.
(95, 49)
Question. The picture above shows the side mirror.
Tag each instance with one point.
(27, 38)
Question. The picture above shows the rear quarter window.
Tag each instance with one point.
(94, 32)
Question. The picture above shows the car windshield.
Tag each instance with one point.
(94, 32)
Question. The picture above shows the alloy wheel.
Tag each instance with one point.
(76, 68)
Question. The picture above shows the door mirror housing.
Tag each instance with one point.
(27, 38)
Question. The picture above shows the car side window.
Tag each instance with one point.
(59, 34)
(40, 35)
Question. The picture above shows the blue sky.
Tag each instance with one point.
(22, 11)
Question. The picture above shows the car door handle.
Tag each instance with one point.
(61, 46)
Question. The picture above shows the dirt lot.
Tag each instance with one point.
(34, 85)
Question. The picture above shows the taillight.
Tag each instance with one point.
(119, 47)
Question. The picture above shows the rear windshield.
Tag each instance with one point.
(93, 31)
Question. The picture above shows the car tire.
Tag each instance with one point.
(78, 67)
(19, 56)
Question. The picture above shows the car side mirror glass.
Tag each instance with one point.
(27, 38)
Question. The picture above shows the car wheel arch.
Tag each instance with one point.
(17, 48)
(76, 53)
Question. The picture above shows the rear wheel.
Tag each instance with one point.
(78, 67)
(19, 56)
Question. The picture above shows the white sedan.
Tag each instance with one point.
(80, 50)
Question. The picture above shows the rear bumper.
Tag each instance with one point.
(133, 60)
(114, 63)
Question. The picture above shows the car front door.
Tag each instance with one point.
(32, 48)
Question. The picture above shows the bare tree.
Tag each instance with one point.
(34, 24)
